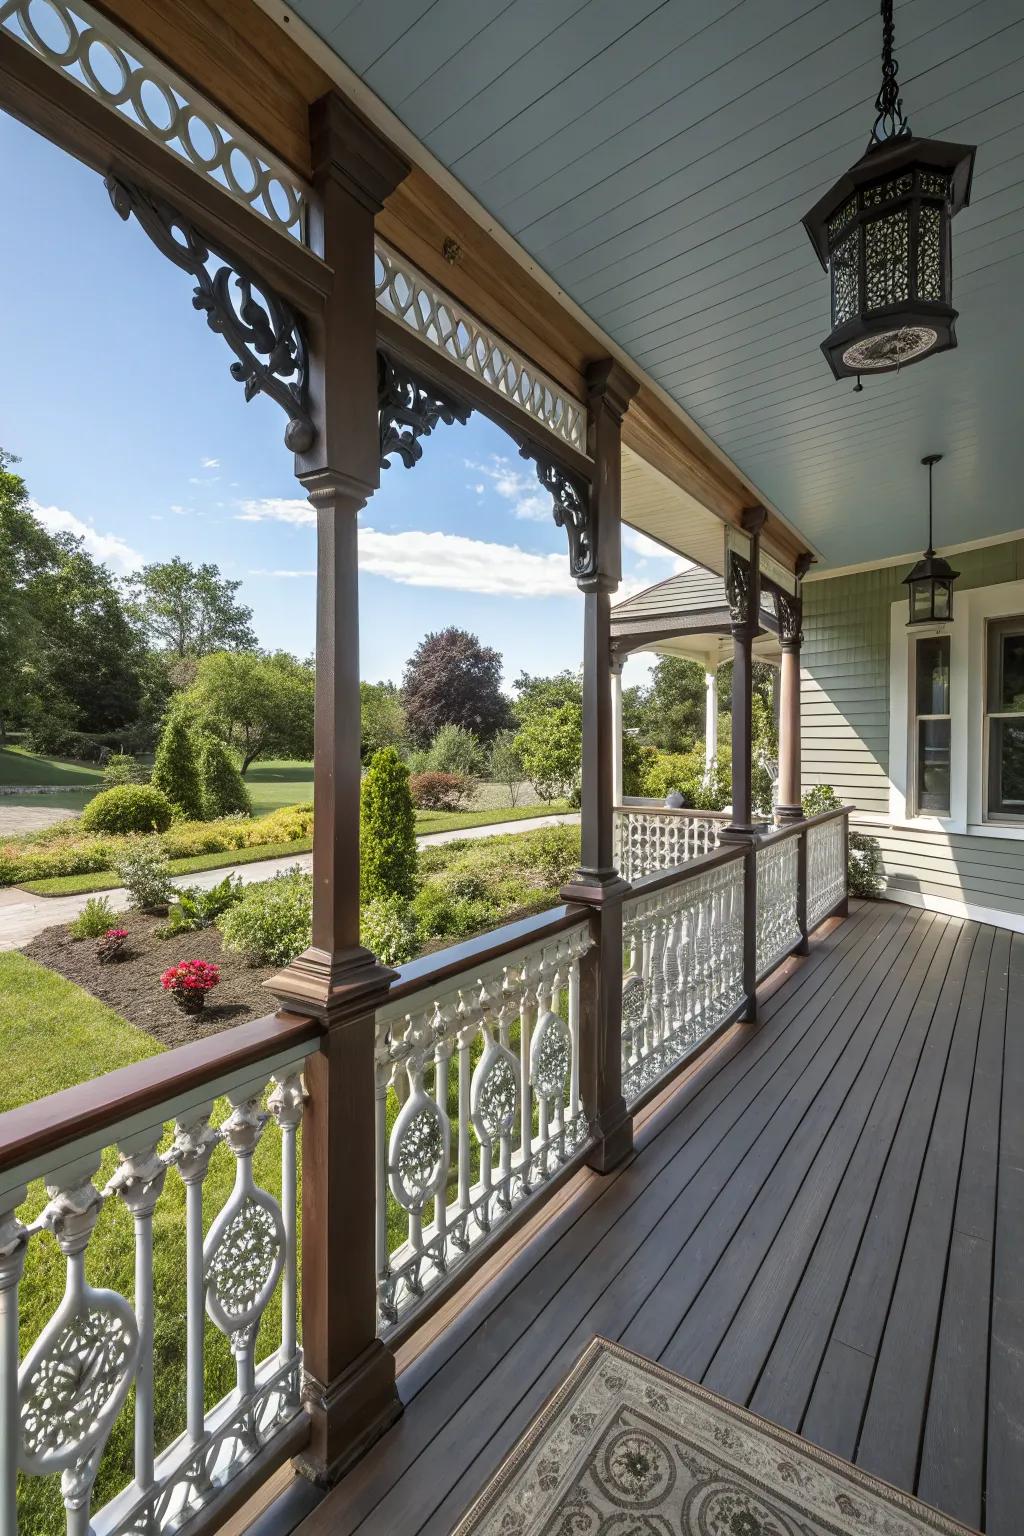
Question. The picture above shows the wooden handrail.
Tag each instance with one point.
(672, 810)
(37, 1129)
(432, 970)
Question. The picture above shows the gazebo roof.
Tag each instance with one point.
(687, 615)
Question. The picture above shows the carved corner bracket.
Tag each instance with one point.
(789, 612)
(571, 509)
(263, 331)
(410, 408)
(739, 589)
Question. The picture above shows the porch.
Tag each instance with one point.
(821, 1221)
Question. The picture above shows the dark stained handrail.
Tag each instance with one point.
(432, 970)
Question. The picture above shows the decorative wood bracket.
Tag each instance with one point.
(260, 327)
(410, 408)
(571, 496)
(739, 589)
(789, 612)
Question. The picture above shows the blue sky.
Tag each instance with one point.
(118, 401)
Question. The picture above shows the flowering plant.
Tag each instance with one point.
(112, 946)
(189, 981)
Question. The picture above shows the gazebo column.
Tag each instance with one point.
(616, 666)
(349, 1377)
(710, 722)
(597, 882)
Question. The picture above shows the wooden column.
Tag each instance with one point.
(349, 1385)
(616, 682)
(789, 611)
(710, 721)
(597, 883)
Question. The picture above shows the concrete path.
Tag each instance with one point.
(15, 819)
(23, 915)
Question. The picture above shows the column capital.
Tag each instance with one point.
(609, 384)
(348, 149)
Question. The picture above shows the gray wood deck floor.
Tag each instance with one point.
(825, 1222)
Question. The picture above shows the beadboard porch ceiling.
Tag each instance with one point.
(656, 159)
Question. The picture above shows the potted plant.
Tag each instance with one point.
(189, 981)
(112, 946)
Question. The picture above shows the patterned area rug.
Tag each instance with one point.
(625, 1448)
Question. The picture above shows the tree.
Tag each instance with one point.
(451, 679)
(25, 549)
(673, 706)
(537, 694)
(506, 766)
(456, 750)
(191, 610)
(550, 744)
(175, 770)
(382, 718)
(387, 829)
(259, 704)
(224, 793)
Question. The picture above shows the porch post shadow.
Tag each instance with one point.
(349, 1377)
(597, 882)
(743, 586)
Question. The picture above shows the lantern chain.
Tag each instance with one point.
(890, 122)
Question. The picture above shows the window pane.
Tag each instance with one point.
(1011, 672)
(933, 675)
(1006, 768)
(933, 766)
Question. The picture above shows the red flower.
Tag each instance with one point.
(191, 976)
(116, 933)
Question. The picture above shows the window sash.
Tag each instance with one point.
(1004, 798)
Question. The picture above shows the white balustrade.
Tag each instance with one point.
(684, 973)
(648, 840)
(477, 1107)
(57, 1408)
(826, 868)
(778, 922)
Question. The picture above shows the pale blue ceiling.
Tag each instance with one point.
(656, 159)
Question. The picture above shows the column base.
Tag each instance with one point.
(326, 985)
(595, 887)
(786, 814)
(613, 1141)
(349, 1415)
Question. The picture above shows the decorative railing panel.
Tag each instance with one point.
(78, 1374)
(648, 840)
(412, 298)
(684, 975)
(478, 1107)
(778, 922)
(826, 868)
(111, 65)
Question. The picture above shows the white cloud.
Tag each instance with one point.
(209, 463)
(417, 558)
(516, 486)
(459, 564)
(278, 509)
(103, 546)
(178, 510)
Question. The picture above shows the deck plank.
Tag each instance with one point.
(808, 1223)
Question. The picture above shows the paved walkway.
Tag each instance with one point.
(15, 819)
(23, 915)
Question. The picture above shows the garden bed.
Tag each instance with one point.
(132, 986)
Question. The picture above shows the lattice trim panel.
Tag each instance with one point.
(685, 971)
(778, 926)
(646, 842)
(826, 869)
(407, 294)
(478, 1107)
(112, 66)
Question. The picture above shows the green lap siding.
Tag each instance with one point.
(845, 731)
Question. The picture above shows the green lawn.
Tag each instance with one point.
(20, 767)
(53, 1034)
(426, 821)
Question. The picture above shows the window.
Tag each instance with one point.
(1004, 718)
(931, 743)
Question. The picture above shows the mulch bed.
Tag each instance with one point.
(132, 986)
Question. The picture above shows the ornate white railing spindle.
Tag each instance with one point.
(778, 923)
(826, 868)
(648, 839)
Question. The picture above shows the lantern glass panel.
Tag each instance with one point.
(942, 601)
(929, 253)
(887, 259)
(920, 601)
(845, 280)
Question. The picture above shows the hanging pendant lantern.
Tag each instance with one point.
(884, 230)
(930, 583)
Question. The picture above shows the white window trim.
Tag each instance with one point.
(967, 682)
